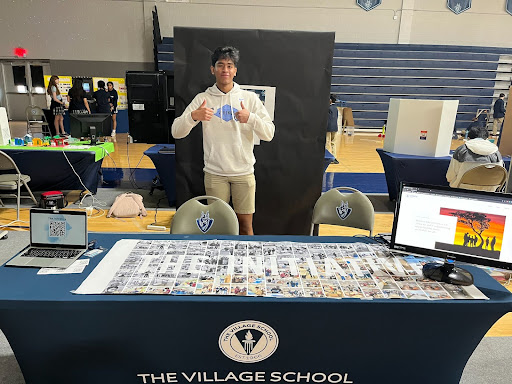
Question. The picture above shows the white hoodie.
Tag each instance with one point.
(473, 153)
(228, 144)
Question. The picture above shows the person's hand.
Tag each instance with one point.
(243, 115)
(202, 113)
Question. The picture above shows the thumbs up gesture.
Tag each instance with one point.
(242, 115)
(202, 113)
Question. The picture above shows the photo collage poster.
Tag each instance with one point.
(266, 269)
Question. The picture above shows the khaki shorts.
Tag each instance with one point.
(242, 190)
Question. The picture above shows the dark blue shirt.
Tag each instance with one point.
(499, 109)
(102, 101)
(113, 97)
(332, 122)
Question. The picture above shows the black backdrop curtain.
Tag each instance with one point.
(289, 168)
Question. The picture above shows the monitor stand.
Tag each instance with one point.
(93, 135)
(447, 273)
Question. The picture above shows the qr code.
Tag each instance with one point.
(57, 228)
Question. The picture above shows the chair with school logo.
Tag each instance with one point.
(196, 218)
(352, 209)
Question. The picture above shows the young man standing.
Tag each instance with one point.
(231, 117)
(499, 113)
(332, 126)
(101, 96)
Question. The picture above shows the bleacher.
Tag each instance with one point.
(366, 76)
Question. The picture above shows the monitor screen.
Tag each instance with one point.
(80, 125)
(58, 228)
(470, 226)
(86, 87)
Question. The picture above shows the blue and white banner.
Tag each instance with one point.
(458, 6)
(508, 6)
(368, 5)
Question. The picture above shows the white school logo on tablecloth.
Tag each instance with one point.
(343, 210)
(248, 341)
(204, 222)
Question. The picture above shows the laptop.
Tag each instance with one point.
(57, 239)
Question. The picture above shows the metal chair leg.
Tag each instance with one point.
(18, 202)
(30, 192)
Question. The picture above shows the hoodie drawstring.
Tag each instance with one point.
(221, 103)
(231, 105)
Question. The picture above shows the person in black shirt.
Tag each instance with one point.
(332, 126)
(77, 99)
(113, 105)
(102, 98)
(499, 114)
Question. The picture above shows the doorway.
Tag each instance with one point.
(21, 85)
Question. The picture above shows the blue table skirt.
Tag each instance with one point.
(328, 159)
(415, 169)
(49, 170)
(165, 164)
(59, 337)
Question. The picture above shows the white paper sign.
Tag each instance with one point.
(5, 133)
(77, 267)
(267, 95)
(138, 107)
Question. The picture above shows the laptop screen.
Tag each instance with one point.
(49, 228)
(470, 226)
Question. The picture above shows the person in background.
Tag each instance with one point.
(499, 113)
(113, 105)
(230, 118)
(57, 105)
(476, 151)
(77, 99)
(102, 98)
(475, 122)
(332, 126)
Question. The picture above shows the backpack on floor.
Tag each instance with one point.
(127, 205)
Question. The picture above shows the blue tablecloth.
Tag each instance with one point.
(415, 169)
(61, 338)
(49, 170)
(165, 164)
(328, 159)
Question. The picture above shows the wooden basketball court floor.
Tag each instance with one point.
(355, 154)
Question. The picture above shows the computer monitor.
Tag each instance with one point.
(454, 224)
(86, 87)
(80, 124)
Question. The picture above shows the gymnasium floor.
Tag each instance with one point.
(356, 155)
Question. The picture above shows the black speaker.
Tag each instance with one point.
(148, 104)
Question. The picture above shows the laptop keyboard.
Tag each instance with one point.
(53, 253)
